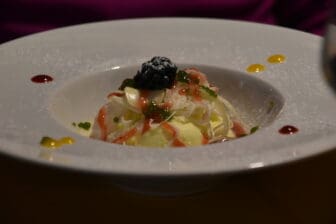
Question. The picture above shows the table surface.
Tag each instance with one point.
(302, 192)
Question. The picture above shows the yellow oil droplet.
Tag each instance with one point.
(255, 68)
(54, 143)
(67, 140)
(276, 58)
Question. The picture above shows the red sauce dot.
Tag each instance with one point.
(41, 78)
(288, 130)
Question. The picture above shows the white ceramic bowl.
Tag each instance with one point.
(88, 61)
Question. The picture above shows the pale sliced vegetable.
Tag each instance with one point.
(188, 133)
(154, 138)
(132, 96)
(222, 111)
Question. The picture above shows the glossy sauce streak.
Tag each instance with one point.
(143, 99)
(41, 78)
(146, 127)
(238, 129)
(101, 123)
(205, 139)
(115, 94)
(171, 130)
(56, 143)
(124, 137)
(288, 130)
(276, 58)
(254, 68)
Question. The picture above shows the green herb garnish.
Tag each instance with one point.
(127, 83)
(74, 124)
(209, 91)
(84, 125)
(182, 76)
(254, 129)
(156, 112)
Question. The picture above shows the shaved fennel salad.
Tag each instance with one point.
(162, 106)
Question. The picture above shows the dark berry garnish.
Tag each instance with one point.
(158, 73)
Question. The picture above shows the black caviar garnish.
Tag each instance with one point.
(158, 73)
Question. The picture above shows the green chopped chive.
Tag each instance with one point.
(116, 119)
(154, 110)
(209, 91)
(254, 129)
(84, 125)
(165, 114)
(182, 76)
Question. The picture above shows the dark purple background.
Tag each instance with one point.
(22, 17)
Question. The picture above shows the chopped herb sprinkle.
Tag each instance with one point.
(85, 125)
(254, 129)
(209, 91)
(153, 111)
(182, 76)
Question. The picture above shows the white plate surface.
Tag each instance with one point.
(87, 51)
